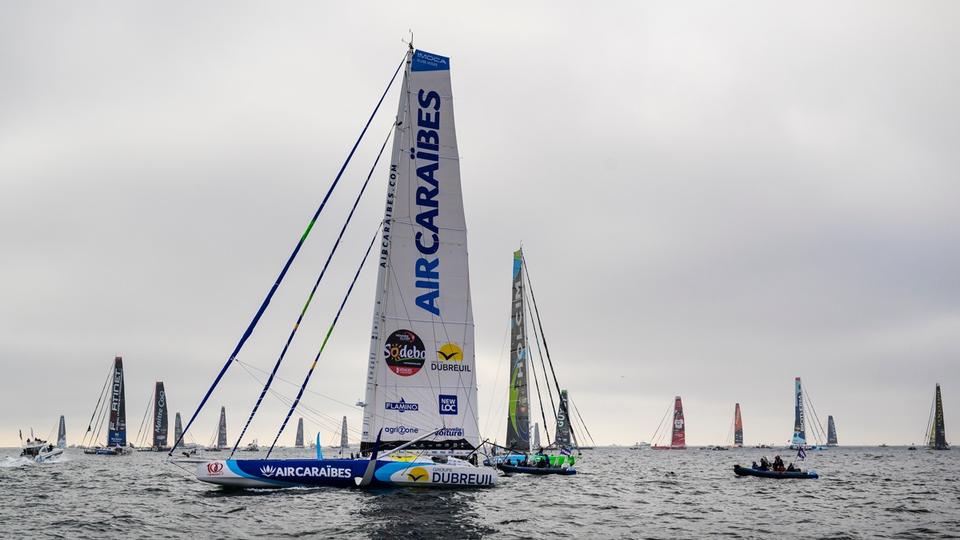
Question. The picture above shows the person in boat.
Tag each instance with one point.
(764, 464)
(791, 468)
(778, 464)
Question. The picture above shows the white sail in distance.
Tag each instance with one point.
(421, 370)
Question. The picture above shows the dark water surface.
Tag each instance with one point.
(619, 493)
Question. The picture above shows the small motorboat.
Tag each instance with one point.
(108, 451)
(252, 447)
(40, 451)
(509, 468)
(768, 473)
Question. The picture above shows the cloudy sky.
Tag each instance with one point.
(712, 199)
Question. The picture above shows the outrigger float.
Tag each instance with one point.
(420, 423)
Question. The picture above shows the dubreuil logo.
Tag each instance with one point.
(449, 358)
(401, 406)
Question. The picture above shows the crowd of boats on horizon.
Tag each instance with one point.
(420, 422)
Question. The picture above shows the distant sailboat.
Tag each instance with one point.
(536, 435)
(938, 431)
(800, 420)
(522, 370)
(221, 432)
(62, 433)
(344, 437)
(678, 439)
(737, 427)
(117, 417)
(831, 431)
(298, 443)
(160, 418)
(177, 428)
(799, 429)
(420, 418)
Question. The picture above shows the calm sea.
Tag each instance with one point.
(619, 493)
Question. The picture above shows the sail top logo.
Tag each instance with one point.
(404, 353)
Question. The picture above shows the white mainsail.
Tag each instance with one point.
(421, 371)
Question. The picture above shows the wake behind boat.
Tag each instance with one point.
(420, 419)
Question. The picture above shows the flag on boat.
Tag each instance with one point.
(801, 454)
(564, 451)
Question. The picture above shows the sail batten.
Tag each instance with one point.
(421, 369)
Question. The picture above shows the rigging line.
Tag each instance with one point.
(95, 409)
(543, 414)
(582, 423)
(143, 421)
(546, 381)
(546, 347)
(306, 305)
(496, 380)
(818, 431)
(296, 250)
(654, 438)
(291, 383)
(326, 338)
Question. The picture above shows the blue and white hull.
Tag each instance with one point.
(281, 473)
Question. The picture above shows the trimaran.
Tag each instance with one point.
(420, 422)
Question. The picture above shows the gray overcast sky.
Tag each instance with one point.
(712, 198)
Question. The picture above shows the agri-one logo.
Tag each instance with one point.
(401, 406)
(400, 430)
(449, 358)
(404, 353)
(448, 404)
(214, 468)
